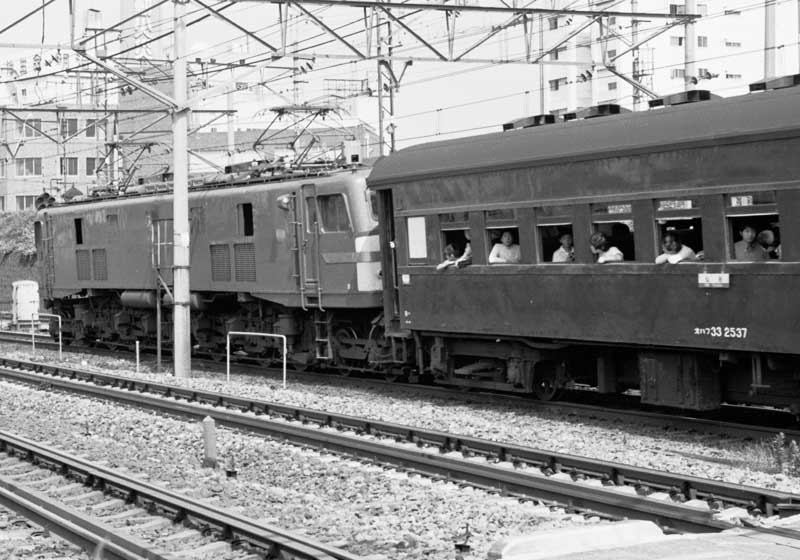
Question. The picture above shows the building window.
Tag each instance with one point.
(69, 127)
(23, 66)
(90, 128)
(69, 166)
(733, 76)
(30, 128)
(91, 165)
(23, 93)
(2, 168)
(553, 23)
(611, 53)
(26, 201)
(557, 53)
(612, 20)
(557, 83)
(31, 166)
(677, 9)
(733, 44)
(2, 204)
(612, 85)
(676, 41)
(678, 73)
(702, 41)
(732, 12)
(702, 9)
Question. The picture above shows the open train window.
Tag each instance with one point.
(615, 221)
(753, 226)
(681, 217)
(553, 222)
(245, 222)
(502, 249)
(455, 232)
(557, 243)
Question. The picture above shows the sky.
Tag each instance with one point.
(434, 100)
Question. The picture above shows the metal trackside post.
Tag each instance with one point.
(240, 333)
(58, 317)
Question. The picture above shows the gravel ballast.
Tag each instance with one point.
(381, 514)
(625, 441)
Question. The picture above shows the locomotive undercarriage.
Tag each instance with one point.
(342, 340)
(693, 380)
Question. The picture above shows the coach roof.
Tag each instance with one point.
(771, 114)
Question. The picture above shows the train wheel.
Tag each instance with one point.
(547, 384)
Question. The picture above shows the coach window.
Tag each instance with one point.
(499, 222)
(333, 213)
(417, 240)
(615, 220)
(756, 212)
(682, 217)
(553, 222)
(455, 231)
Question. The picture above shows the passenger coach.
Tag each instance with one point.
(688, 335)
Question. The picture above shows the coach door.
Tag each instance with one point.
(391, 284)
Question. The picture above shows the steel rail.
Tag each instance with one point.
(237, 528)
(437, 453)
(70, 525)
(677, 421)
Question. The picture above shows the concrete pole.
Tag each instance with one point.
(379, 53)
(180, 209)
(690, 47)
(769, 39)
(636, 72)
(541, 64)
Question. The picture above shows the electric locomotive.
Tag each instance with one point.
(292, 252)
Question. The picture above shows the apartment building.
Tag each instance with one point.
(728, 53)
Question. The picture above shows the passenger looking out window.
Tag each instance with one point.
(505, 252)
(602, 249)
(748, 249)
(766, 239)
(459, 240)
(674, 250)
(449, 258)
(565, 253)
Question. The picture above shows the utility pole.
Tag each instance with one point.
(231, 138)
(769, 39)
(180, 203)
(636, 70)
(689, 47)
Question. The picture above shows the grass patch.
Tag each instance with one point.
(778, 455)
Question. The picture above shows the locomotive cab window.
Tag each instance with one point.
(331, 211)
(245, 221)
(615, 222)
(679, 225)
(753, 226)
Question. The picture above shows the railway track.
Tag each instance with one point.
(759, 424)
(100, 509)
(676, 502)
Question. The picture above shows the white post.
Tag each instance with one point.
(689, 47)
(241, 333)
(769, 39)
(58, 318)
(33, 335)
(209, 443)
(137, 356)
(182, 352)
